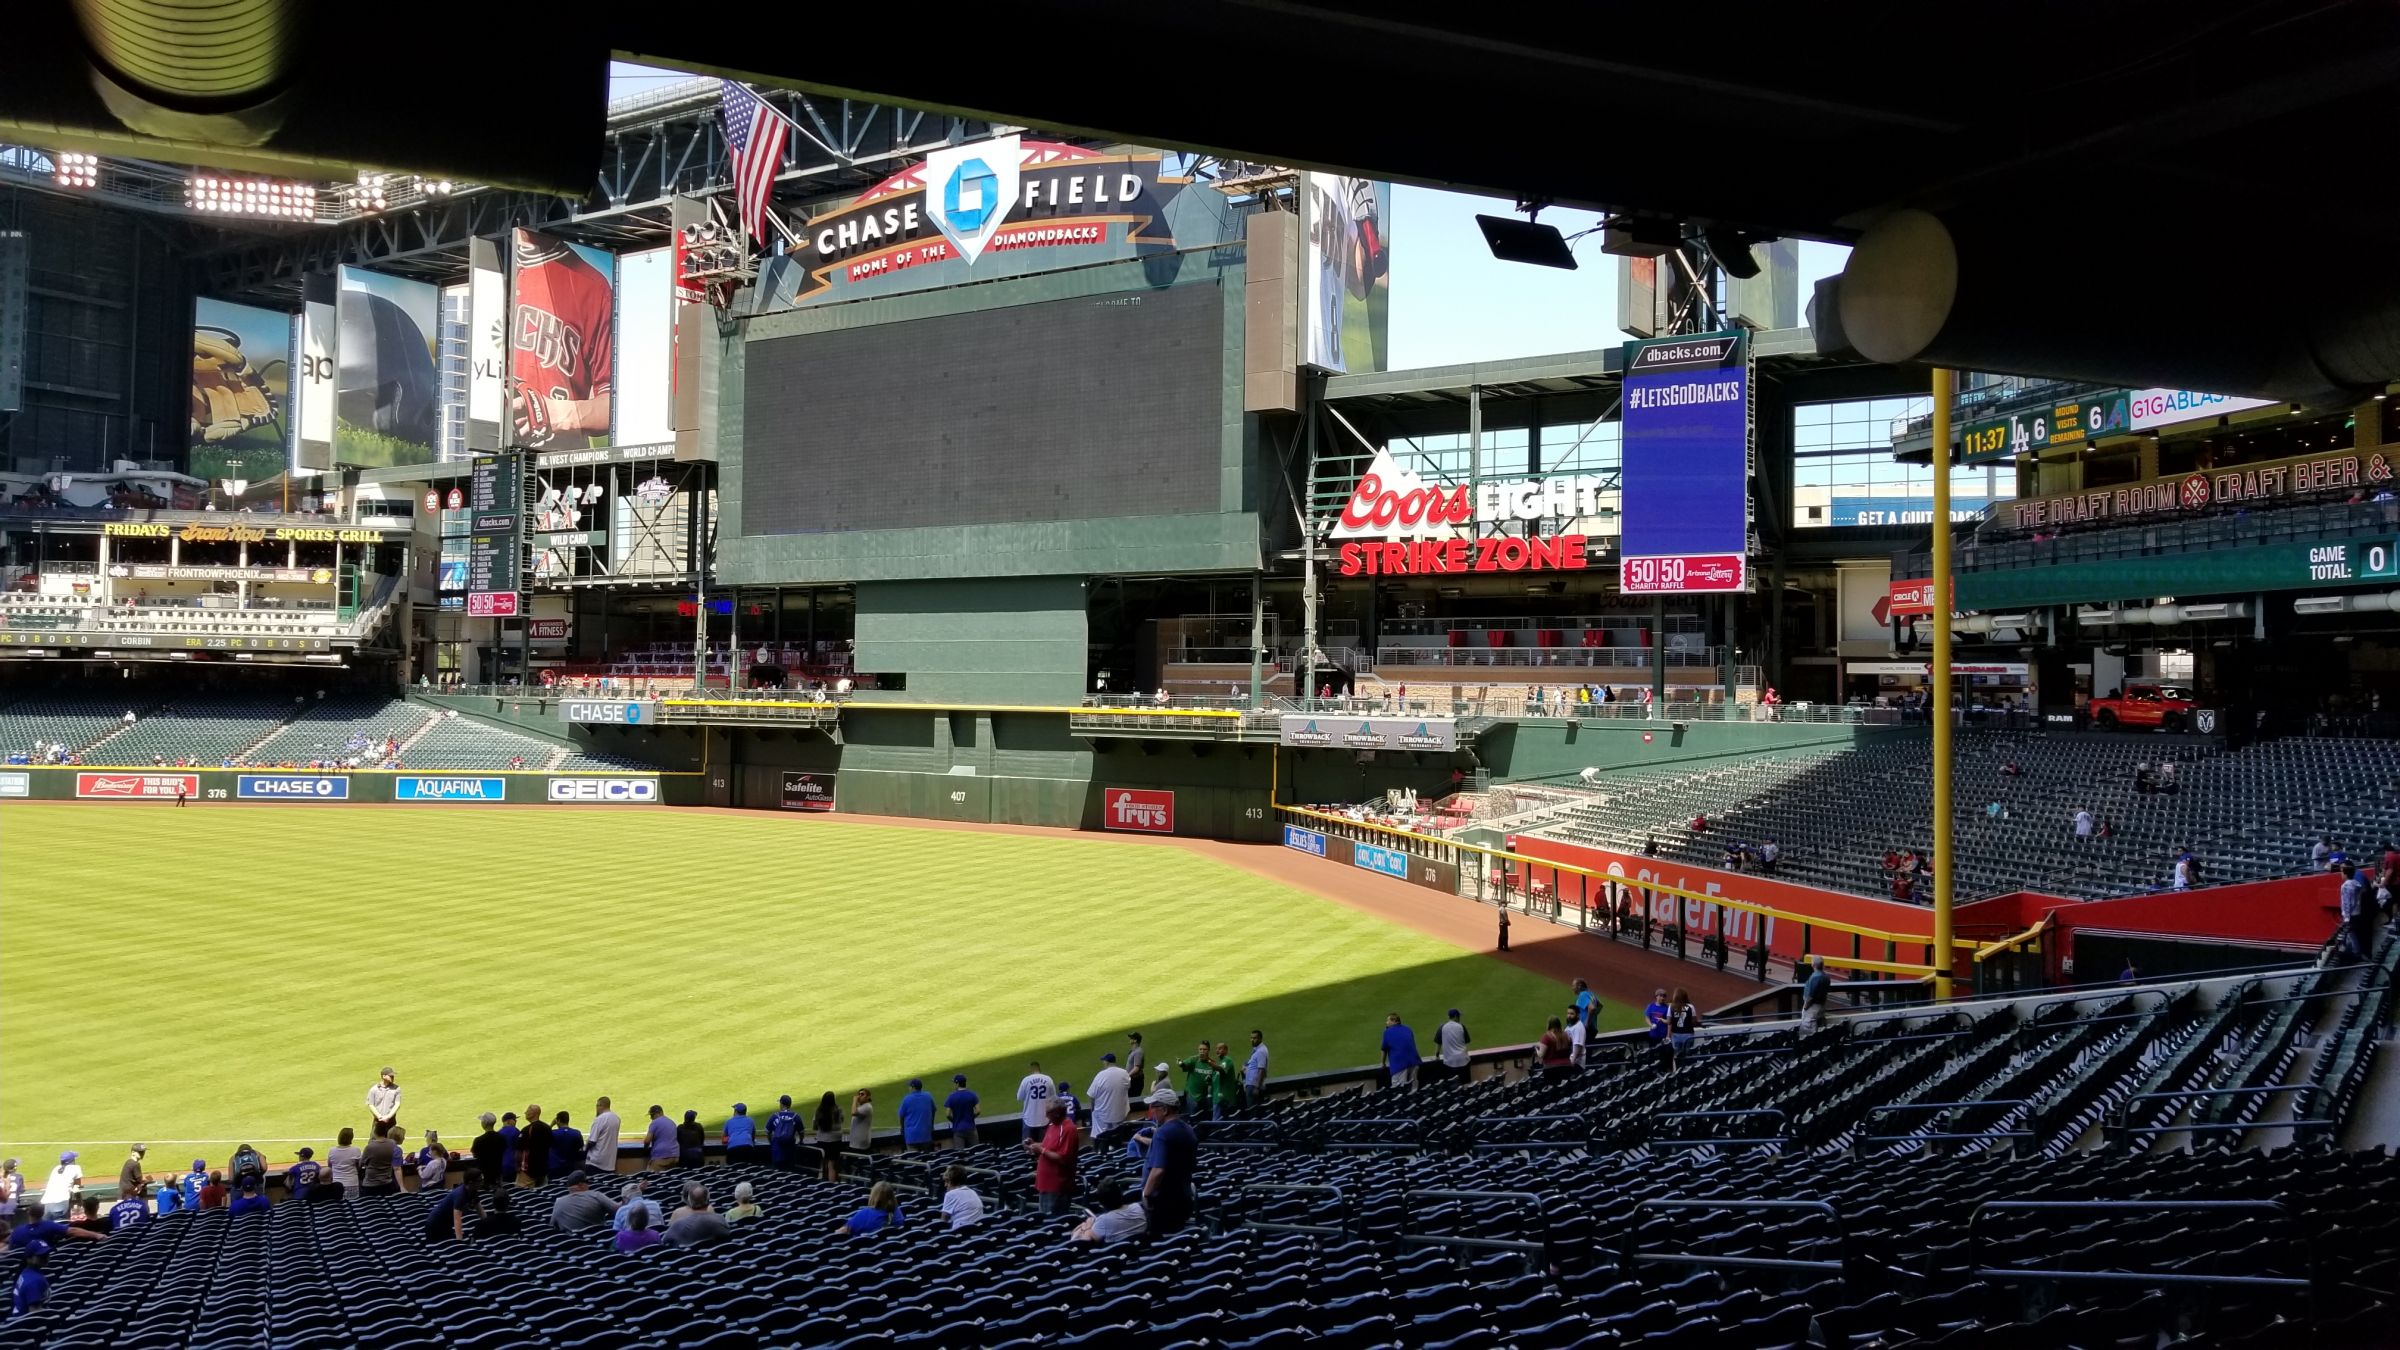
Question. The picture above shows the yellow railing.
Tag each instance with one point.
(1725, 902)
(2010, 944)
(854, 705)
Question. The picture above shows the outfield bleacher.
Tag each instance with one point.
(2247, 815)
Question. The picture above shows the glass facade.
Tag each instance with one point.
(1843, 472)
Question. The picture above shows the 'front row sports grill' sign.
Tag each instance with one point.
(1687, 464)
(1397, 524)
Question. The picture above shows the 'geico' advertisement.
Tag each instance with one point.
(606, 790)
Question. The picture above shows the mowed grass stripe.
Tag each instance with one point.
(211, 974)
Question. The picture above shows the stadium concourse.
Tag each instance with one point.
(1994, 1173)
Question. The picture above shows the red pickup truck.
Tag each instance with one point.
(2145, 705)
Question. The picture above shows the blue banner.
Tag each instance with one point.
(291, 787)
(414, 789)
(1686, 464)
(1390, 862)
(1899, 510)
(1307, 841)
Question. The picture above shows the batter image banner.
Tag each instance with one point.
(562, 343)
(241, 390)
(1348, 273)
(387, 396)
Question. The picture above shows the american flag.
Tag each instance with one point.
(754, 131)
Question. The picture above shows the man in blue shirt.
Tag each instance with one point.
(32, 1287)
(1585, 1007)
(193, 1181)
(39, 1227)
(916, 1116)
(1167, 1184)
(129, 1210)
(1813, 993)
(566, 1145)
(1254, 1071)
(1657, 1013)
(250, 1198)
(783, 1133)
(1400, 1058)
(298, 1177)
(741, 1132)
(961, 1106)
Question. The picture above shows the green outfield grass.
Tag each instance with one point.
(222, 974)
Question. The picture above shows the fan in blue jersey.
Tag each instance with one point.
(129, 1210)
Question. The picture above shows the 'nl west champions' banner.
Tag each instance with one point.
(1686, 475)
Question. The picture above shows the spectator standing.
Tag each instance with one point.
(1450, 1051)
(12, 1187)
(566, 1146)
(1400, 1057)
(829, 1136)
(961, 1106)
(1503, 927)
(1769, 854)
(783, 1134)
(1167, 1176)
(379, 1165)
(1054, 1161)
(862, 1121)
(600, 1153)
(197, 1178)
(1033, 1095)
(581, 1207)
(916, 1116)
(2083, 825)
(212, 1195)
(2319, 852)
(1254, 1072)
(2353, 944)
(636, 1233)
(1228, 1084)
(658, 1140)
(507, 1175)
(960, 1204)
(745, 1204)
(1200, 1078)
(691, 1142)
(129, 1174)
(533, 1146)
(1553, 1050)
(1112, 1094)
(1587, 1008)
(741, 1135)
(488, 1146)
(383, 1097)
(300, 1176)
(1813, 992)
(64, 1186)
(1134, 1059)
(1683, 1025)
(251, 1198)
(1576, 1040)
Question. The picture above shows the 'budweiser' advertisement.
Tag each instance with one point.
(137, 786)
(1143, 810)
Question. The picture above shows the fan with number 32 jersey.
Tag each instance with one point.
(562, 339)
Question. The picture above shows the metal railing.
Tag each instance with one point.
(2157, 1279)
(1632, 1254)
(1908, 1108)
(1782, 1136)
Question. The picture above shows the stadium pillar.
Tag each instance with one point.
(1940, 682)
(1258, 631)
(1658, 656)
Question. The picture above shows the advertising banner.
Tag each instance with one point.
(321, 576)
(241, 391)
(1306, 841)
(1911, 597)
(615, 791)
(487, 345)
(547, 630)
(2038, 431)
(562, 343)
(1390, 862)
(2166, 407)
(808, 791)
(1425, 529)
(608, 712)
(289, 787)
(2273, 481)
(642, 397)
(319, 325)
(1002, 207)
(166, 641)
(16, 784)
(387, 394)
(1686, 466)
(1303, 731)
(1900, 510)
(1347, 318)
(1138, 809)
(137, 786)
(446, 788)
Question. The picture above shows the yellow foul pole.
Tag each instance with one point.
(1942, 846)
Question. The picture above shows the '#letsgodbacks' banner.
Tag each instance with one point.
(1686, 474)
(1001, 207)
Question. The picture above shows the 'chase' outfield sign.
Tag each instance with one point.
(610, 712)
(292, 787)
(409, 788)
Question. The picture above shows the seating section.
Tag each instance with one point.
(464, 743)
(76, 719)
(2248, 815)
(204, 731)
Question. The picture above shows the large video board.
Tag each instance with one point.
(1687, 464)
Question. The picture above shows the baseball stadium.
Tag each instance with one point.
(827, 698)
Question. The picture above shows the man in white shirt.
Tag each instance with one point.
(1254, 1071)
(1111, 1093)
(600, 1142)
(383, 1098)
(960, 1204)
(2083, 823)
(1450, 1047)
(1033, 1093)
(1574, 1039)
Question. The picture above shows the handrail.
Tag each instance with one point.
(1890, 1108)
(1536, 1247)
(2120, 991)
(1576, 1122)
(2120, 1125)
(2012, 943)
(2159, 1278)
(1727, 902)
(1783, 1121)
(1632, 1252)
(1340, 1228)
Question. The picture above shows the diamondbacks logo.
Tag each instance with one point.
(986, 197)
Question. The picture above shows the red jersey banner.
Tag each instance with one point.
(562, 343)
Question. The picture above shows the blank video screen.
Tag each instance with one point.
(1063, 410)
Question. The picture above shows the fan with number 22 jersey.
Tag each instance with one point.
(563, 342)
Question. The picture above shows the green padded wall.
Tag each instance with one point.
(977, 640)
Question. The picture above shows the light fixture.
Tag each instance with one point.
(1526, 241)
(75, 170)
